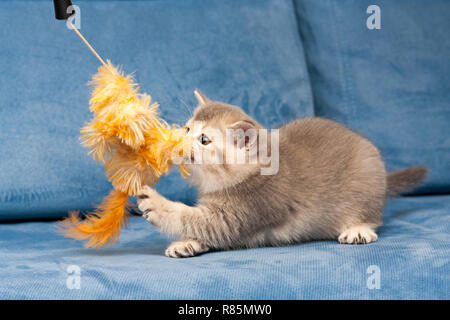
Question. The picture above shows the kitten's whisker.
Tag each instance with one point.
(189, 110)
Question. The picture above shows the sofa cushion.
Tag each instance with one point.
(410, 260)
(390, 84)
(241, 51)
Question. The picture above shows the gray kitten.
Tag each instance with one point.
(331, 184)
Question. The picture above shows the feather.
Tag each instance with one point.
(136, 146)
(102, 226)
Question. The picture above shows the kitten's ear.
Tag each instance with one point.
(201, 98)
(244, 133)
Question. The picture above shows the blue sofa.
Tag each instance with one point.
(279, 60)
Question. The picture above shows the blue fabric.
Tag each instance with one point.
(392, 84)
(412, 254)
(245, 52)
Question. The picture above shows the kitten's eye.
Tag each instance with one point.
(204, 140)
(187, 129)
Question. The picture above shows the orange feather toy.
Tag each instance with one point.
(136, 146)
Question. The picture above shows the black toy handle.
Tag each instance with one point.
(61, 8)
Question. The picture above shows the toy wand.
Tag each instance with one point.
(63, 11)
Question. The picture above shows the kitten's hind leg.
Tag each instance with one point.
(185, 248)
(358, 234)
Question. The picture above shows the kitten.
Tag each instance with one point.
(331, 183)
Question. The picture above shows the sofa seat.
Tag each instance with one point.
(410, 260)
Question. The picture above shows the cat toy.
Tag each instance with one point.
(127, 135)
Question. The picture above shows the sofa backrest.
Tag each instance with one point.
(390, 84)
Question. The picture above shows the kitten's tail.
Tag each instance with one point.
(404, 180)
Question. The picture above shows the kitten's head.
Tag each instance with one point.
(219, 135)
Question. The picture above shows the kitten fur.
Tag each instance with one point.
(331, 184)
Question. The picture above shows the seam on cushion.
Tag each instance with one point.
(345, 78)
(305, 58)
(21, 196)
(39, 194)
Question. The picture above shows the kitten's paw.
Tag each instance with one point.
(185, 249)
(152, 205)
(357, 235)
(149, 200)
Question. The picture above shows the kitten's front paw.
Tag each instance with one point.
(152, 204)
(185, 249)
(146, 199)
